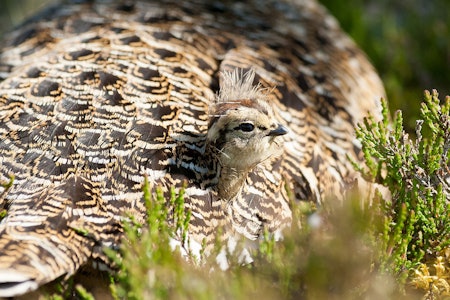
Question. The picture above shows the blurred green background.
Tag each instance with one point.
(408, 41)
(13, 12)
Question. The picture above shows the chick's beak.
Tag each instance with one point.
(280, 130)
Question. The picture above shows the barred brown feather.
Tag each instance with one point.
(96, 96)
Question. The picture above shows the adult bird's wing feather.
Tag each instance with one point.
(94, 96)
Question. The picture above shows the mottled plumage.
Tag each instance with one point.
(96, 96)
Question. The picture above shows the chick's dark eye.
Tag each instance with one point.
(246, 127)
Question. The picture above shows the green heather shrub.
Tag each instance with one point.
(416, 219)
(148, 269)
(6, 186)
(327, 254)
